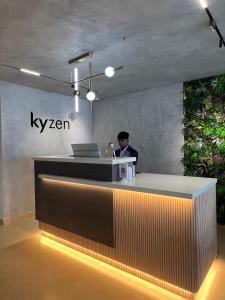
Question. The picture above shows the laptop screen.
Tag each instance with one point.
(86, 150)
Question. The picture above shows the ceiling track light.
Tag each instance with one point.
(203, 4)
(212, 23)
(221, 44)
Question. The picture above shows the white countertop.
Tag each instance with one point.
(86, 160)
(167, 185)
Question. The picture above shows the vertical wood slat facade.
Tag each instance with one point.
(168, 241)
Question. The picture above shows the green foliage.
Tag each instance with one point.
(221, 213)
(204, 133)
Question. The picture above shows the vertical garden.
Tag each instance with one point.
(204, 133)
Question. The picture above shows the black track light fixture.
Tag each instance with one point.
(212, 23)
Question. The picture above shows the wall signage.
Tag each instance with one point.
(72, 116)
(42, 124)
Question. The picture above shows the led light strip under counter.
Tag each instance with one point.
(161, 239)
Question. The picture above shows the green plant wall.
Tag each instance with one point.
(204, 133)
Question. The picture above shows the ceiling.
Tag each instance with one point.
(167, 41)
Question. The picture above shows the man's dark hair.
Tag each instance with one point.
(123, 135)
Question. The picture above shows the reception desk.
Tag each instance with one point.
(161, 228)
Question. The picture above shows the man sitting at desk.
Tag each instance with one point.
(125, 149)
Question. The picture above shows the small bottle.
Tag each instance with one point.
(109, 150)
(106, 152)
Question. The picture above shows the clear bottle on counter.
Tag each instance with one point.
(110, 150)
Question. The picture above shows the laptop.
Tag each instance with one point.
(86, 150)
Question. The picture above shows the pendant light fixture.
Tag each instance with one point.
(75, 82)
(109, 72)
(90, 94)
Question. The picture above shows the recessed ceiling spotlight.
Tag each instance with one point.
(91, 96)
(30, 72)
(203, 4)
(109, 71)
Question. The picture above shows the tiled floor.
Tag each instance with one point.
(31, 270)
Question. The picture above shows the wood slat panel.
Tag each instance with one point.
(158, 238)
(205, 232)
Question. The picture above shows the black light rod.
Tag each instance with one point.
(97, 75)
(216, 27)
(11, 67)
(43, 76)
(89, 77)
(48, 77)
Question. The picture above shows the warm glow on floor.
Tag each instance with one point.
(110, 271)
(204, 290)
(124, 277)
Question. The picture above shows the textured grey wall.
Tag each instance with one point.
(1, 189)
(154, 120)
(20, 141)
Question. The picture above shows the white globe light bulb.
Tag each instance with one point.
(91, 96)
(109, 71)
(203, 4)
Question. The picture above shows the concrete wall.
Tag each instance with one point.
(1, 189)
(154, 120)
(20, 141)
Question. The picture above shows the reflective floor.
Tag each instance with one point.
(32, 270)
